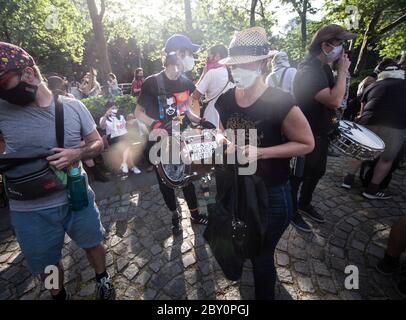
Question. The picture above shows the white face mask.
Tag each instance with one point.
(334, 54)
(244, 78)
(188, 63)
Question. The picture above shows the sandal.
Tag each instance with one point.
(199, 219)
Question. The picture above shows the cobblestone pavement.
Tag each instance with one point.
(147, 263)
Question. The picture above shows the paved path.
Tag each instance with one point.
(147, 263)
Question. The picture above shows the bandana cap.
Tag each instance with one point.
(13, 58)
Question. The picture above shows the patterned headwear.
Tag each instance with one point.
(248, 46)
(13, 58)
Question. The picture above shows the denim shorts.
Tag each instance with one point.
(41, 234)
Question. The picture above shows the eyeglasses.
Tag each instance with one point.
(5, 79)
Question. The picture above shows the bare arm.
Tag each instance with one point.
(103, 120)
(63, 158)
(193, 117)
(93, 146)
(142, 116)
(301, 141)
(333, 98)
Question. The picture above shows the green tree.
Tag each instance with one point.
(103, 61)
(52, 31)
(380, 25)
(302, 7)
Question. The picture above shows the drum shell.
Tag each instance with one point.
(193, 170)
(344, 141)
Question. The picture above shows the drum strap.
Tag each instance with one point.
(161, 96)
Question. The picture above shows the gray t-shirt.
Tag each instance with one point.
(32, 126)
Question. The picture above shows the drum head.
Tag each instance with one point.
(175, 173)
(171, 169)
(361, 135)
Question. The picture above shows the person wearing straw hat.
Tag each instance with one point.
(319, 95)
(283, 132)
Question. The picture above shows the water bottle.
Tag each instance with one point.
(77, 190)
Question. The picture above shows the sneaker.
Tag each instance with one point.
(105, 290)
(135, 170)
(377, 196)
(385, 268)
(401, 288)
(198, 218)
(311, 213)
(348, 182)
(124, 168)
(300, 224)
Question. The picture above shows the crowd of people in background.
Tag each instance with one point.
(244, 86)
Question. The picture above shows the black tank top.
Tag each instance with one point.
(266, 115)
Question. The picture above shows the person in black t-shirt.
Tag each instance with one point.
(319, 95)
(157, 109)
(283, 132)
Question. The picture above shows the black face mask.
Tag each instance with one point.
(22, 95)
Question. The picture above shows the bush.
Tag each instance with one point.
(97, 105)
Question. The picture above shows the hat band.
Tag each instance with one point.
(249, 51)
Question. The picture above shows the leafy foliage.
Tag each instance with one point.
(97, 106)
(136, 31)
(52, 31)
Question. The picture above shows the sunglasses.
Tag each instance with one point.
(5, 79)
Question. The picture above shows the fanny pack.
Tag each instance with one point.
(27, 173)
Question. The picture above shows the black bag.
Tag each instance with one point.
(28, 175)
(225, 233)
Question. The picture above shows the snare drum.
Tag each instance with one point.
(357, 141)
(194, 157)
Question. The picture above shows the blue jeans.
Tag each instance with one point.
(280, 213)
(41, 234)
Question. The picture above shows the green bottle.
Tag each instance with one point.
(77, 190)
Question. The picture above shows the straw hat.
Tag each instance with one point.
(248, 46)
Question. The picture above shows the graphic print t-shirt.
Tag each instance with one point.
(177, 92)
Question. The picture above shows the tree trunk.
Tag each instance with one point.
(368, 37)
(6, 32)
(103, 63)
(303, 25)
(254, 4)
(188, 16)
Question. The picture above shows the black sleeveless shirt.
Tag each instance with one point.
(266, 115)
